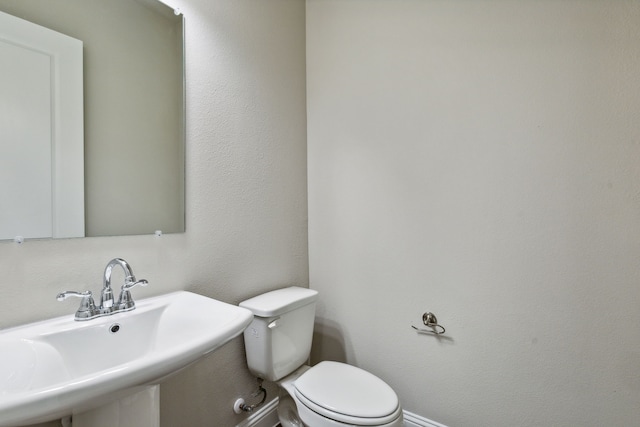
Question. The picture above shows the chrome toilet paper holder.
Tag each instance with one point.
(430, 320)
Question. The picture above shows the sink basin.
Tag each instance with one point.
(49, 369)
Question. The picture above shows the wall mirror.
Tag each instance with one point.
(133, 96)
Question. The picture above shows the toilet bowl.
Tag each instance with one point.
(329, 394)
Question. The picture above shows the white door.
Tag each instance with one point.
(41, 132)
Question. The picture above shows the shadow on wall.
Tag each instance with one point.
(328, 342)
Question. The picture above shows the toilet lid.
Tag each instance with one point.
(343, 392)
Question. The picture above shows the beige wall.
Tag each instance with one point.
(480, 159)
(246, 198)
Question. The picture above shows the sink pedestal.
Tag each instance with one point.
(140, 409)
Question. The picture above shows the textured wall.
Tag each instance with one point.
(245, 198)
(480, 159)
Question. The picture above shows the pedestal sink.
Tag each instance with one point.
(52, 368)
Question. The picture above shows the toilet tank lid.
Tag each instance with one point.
(280, 301)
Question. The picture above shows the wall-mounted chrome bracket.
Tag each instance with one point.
(429, 319)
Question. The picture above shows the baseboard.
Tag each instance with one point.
(267, 416)
(413, 420)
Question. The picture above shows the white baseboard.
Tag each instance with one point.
(268, 417)
(413, 420)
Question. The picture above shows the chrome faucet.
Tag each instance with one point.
(125, 302)
(88, 309)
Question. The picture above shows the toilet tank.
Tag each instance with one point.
(278, 341)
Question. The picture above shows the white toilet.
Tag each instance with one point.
(330, 394)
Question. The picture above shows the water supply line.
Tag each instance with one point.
(240, 406)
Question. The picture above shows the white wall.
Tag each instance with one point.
(245, 198)
(481, 160)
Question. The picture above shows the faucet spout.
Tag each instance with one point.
(106, 301)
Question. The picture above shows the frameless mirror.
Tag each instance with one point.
(133, 96)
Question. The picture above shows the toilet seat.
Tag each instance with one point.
(347, 395)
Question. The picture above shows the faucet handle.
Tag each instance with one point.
(132, 283)
(87, 309)
(125, 301)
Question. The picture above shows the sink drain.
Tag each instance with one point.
(114, 328)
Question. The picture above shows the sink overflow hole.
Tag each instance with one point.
(114, 328)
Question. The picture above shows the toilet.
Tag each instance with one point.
(329, 394)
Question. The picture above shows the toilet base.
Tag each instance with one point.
(288, 412)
